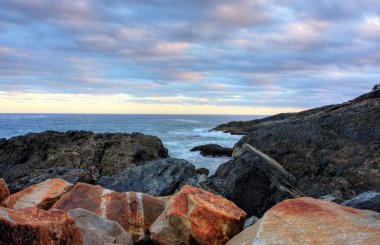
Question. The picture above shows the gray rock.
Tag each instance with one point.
(376, 87)
(213, 150)
(97, 230)
(331, 198)
(367, 200)
(158, 178)
(250, 221)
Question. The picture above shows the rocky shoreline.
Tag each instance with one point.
(80, 187)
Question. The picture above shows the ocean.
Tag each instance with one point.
(179, 133)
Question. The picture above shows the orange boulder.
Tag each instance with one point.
(311, 221)
(135, 212)
(42, 195)
(4, 191)
(36, 226)
(194, 215)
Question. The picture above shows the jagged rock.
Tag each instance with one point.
(254, 181)
(367, 200)
(42, 195)
(158, 178)
(37, 226)
(98, 230)
(213, 150)
(135, 212)
(376, 87)
(330, 150)
(311, 221)
(195, 216)
(4, 191)
(37, 154)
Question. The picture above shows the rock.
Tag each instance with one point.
(250, 221)
(367, 200)
(331, 198)
(4, 191)
(376, 87)
(38, 154)
(158, 178)
(213, 150)
(311, 221)
(202, 171)
(254, 181)
(37, 226)
(135, 212)
(333, 149)
(42, 195)
(98, 230)
(195, 216)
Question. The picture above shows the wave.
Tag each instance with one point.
(186, 120)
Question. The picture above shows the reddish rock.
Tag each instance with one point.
(4, 191)
(311, 221)
(135, 212)
(194, 215)
(42, 195)
(36, 226)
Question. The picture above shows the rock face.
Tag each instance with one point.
(4, 191)
(158, 178)
(329, 150)
(254, 181)
(41, 196)
(27, 157)
(311, 221)
(367, 200)
(195, 216)
(135, 212)
(36, 226)
(213, 150)
(98, 230)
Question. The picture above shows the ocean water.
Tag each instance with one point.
(179, 133)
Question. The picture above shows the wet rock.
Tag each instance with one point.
(213, 150)
(38, 154)
(158, 178)
(195, 216)
(311, 221)
(36, 226)
(135, 212)
(367, 200)
(42, 195)
(98, 230)
(4, 191)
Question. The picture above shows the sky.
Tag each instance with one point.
(188, 57)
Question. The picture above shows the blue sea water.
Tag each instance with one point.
(179, 133)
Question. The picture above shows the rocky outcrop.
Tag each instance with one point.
(135, 212)
(159, 178)
(98, 230)
(4, 191)
(254, 181)
(311, 221)
(195, 216)
(42, 195)
(36, 226)
(368, 200)
(37, 155)
(213, 150)
(329, 150)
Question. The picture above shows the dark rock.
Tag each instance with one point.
(367, 200)
(159, 178)
(333, 149)
(253, 181)
(376, 87)
(213, 150)
(331, 198)
(38, 155)
(204, 171)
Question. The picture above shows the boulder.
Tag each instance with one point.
(42, 195)
(376, 87)
(254, 181)
(97, 230)
(158, 178)
(311, 221)
(213, 150)
(195, 216)
(38, 154)
(367, 200)
(135, 212)
(37, 226)
(4, 191)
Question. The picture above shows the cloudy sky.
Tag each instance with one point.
(198, 56)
